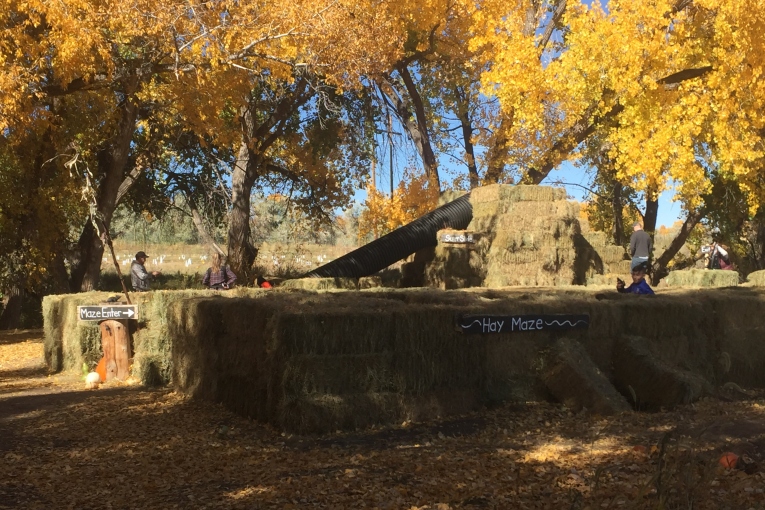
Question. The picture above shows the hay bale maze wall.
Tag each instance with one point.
(524, 236)
(70, 342)
(313, 362)
(703, 278)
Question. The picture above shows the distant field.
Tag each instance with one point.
(273, 259)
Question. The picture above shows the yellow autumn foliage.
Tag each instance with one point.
(663, 81)
(382, 213)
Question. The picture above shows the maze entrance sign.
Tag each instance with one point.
(107, 312)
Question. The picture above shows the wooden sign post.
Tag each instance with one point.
(115, 335)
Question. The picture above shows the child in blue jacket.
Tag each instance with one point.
(639, 285)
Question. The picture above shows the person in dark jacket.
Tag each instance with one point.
(641, 245)
(638, 285)
(139, 277)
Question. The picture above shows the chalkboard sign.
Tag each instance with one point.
(516, 323)
(457, 238)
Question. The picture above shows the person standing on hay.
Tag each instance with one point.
(219, 276)
(638, 285)
(139, 277)
(641, 245)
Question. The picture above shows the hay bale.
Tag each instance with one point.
(620, 268)
(576, 381)
(702, 278)
(370, 282)
(612, 254)
(654, 382)
(756, 278)
(596, 239)
(450, 196)
(490, 193)
(69, 342)
(321, 283)
(534, 193)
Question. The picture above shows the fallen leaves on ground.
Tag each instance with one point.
(125, 446)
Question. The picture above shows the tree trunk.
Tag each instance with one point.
(199, 223)
(423, 144)
(241, 252)
(467, 136)
(111, 162)
(651, 212)
(616, 202)
(659, 269)
(496, 154)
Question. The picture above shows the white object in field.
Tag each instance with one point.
(92, 381)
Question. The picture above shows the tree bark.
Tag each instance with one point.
(616, 202)
(467, 136)
(426, 148)
(659, 269)
(199, 223)
(496, 155)
(111, 162)
(251, 161)
(241, 252)
(415, 124)
(651, 212)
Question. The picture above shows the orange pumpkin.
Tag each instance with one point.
(729, 460)
(101, 369)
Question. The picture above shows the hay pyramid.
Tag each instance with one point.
(521, 236)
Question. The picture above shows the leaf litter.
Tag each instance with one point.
(125, 446)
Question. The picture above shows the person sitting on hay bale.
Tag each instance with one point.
(219, 276)
(638, 285)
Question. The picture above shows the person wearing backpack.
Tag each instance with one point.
(219, 276)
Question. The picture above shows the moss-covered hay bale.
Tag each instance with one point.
(703, 278)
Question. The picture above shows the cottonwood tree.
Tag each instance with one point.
(111, 61)
(659, 81)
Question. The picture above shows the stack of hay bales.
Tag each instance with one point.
(523, 235)
(606, 261)
(703, 278)
(318, 362)
(69, 343)
(457, 265)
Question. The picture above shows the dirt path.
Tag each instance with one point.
(129, 447)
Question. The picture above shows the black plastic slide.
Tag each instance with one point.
(402, 242)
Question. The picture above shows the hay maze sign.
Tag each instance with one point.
(107, 312)
(515, 323)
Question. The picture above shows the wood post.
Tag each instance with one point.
(115, 341)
